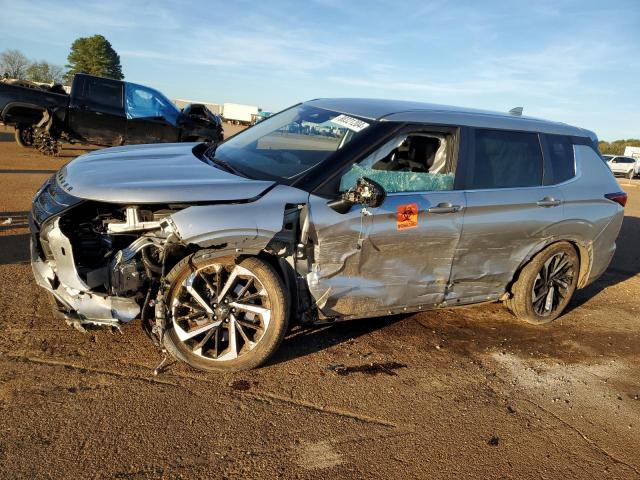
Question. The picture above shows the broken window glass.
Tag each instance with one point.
(410, 163)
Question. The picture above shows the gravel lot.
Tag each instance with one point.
(467, 392)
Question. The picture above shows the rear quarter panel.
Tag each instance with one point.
(590, 220)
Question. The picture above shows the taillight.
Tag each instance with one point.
(618, 197)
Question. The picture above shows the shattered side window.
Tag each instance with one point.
(410, 163)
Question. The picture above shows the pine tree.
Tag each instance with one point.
(94, 55)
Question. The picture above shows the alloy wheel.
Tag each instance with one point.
(220, 312)
(552, 284)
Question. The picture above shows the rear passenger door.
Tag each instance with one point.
(509, 212)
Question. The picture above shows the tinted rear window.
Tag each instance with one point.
(103, 92)
(559, 163)
(504, 159)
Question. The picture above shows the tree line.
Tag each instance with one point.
(93, 55)
(14, 64)
(617, 146)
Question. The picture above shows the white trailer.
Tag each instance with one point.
(633, 152)
(239, 114)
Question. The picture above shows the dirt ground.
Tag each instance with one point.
(464, 393)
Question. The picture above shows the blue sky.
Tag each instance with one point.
(572, 61)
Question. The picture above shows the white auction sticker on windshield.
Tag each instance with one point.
(350, 123)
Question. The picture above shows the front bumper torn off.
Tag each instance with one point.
(60, 277)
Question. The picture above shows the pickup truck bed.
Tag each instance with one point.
(21, 105)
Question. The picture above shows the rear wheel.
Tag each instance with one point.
(224, 315)
(546, 284)
(24, 136)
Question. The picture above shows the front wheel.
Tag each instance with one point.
(546, 284)
(24, 136)
(224, 315)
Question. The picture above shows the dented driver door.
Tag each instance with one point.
(371, 261)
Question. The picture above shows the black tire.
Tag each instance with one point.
(265, 344)
(531, 287)
(24, 136)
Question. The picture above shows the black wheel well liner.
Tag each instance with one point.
(287, 275)
(25, 113)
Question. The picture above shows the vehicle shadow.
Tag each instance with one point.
(76, 150)
(7, 137)
(27, 172)
(624, 265)
(303, 341)
(14, 249)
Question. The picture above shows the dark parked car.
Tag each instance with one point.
(102, 111)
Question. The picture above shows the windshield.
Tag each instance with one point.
(285, 145)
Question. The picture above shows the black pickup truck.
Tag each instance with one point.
(102, 111)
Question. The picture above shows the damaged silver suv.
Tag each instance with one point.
(330, 210)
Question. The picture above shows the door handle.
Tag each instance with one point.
(444, 207)
(548, 202)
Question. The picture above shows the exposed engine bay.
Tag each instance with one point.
(131, 238)
(108, 251)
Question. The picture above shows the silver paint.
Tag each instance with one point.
(160, 173)
(392, 268)
(361, 263)
(434, 114)
(240, 227)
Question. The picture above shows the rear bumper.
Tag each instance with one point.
(76, 301)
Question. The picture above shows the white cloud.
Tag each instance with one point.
(548, 73)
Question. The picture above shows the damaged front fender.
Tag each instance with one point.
(238, 228)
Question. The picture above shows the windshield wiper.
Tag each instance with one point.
(227, 166)
(210, 153)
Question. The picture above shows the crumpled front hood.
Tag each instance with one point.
(157, 173)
